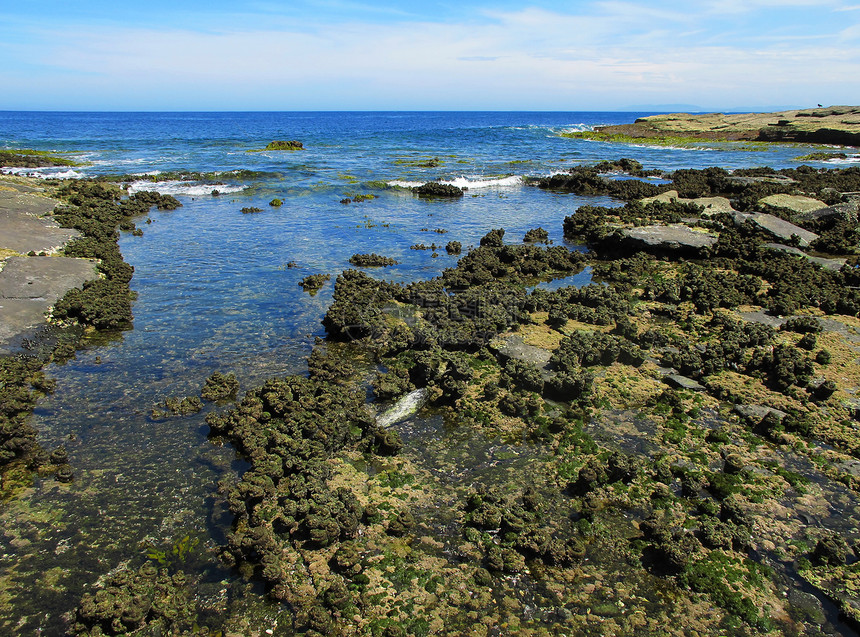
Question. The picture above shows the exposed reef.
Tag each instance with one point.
(285, 145)
(372, 260)
(669, 450)
(32, 159)
(436, 189)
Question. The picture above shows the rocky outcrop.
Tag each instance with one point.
(285, 145)
(437, 189)
(709, 205)
(833, 125)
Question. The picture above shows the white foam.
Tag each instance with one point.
(470, 183)
(182, 188)
(115, 162)
(473, 183)
(52, 172)
(851, 159)
(575, 128)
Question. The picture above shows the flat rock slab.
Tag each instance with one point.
(671, 237)
(710, 205)
(682, 382)
(756, 413)
(763, 318)
(23, 226)
(29, 286)
(849, 211)
(795, 203)
(827, 264)
(513, 347)
(779, 228)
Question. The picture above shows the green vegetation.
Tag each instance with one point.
(25, 158)
(821, 156)
(678, 141)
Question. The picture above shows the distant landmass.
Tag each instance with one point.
(665, 108)
(824, 125)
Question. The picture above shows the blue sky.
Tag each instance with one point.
(467, 55)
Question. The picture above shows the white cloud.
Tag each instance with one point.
(531, 58)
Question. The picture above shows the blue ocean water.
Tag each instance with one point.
(218, 291)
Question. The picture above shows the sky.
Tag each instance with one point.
(714, 55)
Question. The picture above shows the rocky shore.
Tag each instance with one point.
(671, 450)
(832, 125)
(33, 275)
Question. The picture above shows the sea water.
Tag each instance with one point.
(218, 291)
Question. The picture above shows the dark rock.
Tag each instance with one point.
(831, 549)
(494, 238)
(436, 189)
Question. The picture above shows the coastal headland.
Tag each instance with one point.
(838, 125)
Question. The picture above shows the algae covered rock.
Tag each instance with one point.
(314, 282)
(220, 387)
(285, 145)
(372, 260)
(436, 189)
(129, 601)
(536, 235)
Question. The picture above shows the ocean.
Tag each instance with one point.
(218, 291)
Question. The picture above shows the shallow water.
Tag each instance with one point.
(216, 293)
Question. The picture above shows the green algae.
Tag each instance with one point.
(669, 141)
